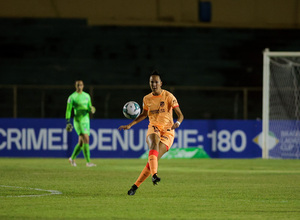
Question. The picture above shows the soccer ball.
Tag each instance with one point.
(131, 110)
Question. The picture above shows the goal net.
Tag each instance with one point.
(281, 105)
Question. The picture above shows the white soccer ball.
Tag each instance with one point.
(131, 110)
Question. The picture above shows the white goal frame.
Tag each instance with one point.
(266, 82)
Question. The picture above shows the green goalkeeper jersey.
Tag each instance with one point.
(81, 103)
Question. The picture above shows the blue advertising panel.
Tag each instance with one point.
(33, 138)
(48, 138)
(284, 139)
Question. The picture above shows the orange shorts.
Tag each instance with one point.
(166, 135)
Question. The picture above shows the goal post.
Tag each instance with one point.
(281, 105)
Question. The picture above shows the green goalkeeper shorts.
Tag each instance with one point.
(82, 126)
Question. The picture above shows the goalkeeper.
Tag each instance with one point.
(80, 101)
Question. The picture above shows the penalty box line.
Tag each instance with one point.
(50, 192)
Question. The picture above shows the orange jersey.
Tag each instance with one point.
(160, 109)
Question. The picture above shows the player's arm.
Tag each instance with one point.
(140, 118)
(69, 126)
(92, 108)
(180, 117)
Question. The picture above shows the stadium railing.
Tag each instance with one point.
(197, 102)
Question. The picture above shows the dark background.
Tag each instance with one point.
(55, 52)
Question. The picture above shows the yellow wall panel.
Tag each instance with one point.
(98, 11)
(256, 13)
(169, 10)
(124, 12)
(28, 8)
(277, 11)
(225, 13)
(133, 9)
(76, 8)
(297, 8)
(189, 10)
(233, 11)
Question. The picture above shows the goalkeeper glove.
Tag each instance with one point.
(69, 126)
(93, 110)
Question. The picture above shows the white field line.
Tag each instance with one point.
(50, 192)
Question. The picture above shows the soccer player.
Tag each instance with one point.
(158, 106)
(80, 101)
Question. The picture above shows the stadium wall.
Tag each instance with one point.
(55, 52)
(58, 51)
(48, 138)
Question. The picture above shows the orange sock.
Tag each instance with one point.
(152, 158)
(143, 176)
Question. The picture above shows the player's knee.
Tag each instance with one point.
(84, 138)
(153, 141)
(86, 141)
(153, 146)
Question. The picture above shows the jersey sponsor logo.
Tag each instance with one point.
(154, 111)
(155, 129)
(162, 104)
(162, 110)
(164, 137)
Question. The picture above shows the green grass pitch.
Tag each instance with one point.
(189, 189)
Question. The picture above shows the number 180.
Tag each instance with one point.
(224, 140)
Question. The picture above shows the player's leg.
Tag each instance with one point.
(85, 132)
(158, 143)
(162, 150)
(153, 144)
(146, 171)
(152, 137)
(166, 140)
(86, 150)
(76, 151)
(78, 147)
(85, 147)
(142, 177)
